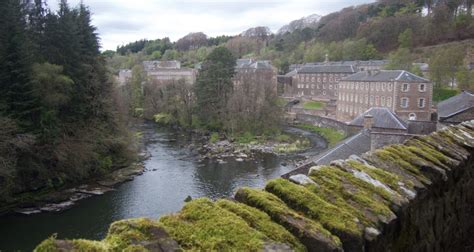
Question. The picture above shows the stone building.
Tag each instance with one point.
(124, 76)
(166, 71)
(404, 93)
(456, 109)
(319, 82)
(255, 72)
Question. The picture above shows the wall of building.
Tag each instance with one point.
(413, 94)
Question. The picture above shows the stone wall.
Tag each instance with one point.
(411, 197)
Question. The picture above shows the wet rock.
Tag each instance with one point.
(239, 160)
(371, 233)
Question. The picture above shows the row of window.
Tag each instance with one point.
(406, 87)
(317, 86)
(301, 93)
(366, 85)
(379, 101)
(318, 79)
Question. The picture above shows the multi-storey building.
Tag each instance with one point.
(404, 93)
(319, 82)
(166, 71)
(255, 72)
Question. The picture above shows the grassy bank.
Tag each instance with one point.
(332, 136)
(314, 105)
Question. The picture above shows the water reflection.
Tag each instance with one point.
(173, 173)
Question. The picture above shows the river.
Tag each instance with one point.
(172, 173)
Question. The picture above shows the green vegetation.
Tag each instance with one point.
(214, 137)
(314, 105)
(280, 213)
(363, 198)
(337, 220)
(58, 112)
(332, 136)
(261, 222)
(441, 94)
(202, 225)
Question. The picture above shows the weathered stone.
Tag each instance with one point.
(301, 179)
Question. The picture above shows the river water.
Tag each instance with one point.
(172, 173)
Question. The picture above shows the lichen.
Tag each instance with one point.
(389, 179)
(122, 234)
(261, 222)
(202, 225)
(337, 220)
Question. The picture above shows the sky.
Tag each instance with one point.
(122, 21)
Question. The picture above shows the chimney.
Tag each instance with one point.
(327, 58)
(368, 121)
(369, 72)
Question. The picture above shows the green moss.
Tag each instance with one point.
(276, 208)
(336, 220)
(389, 179)
(430, 151)
(201, 225)
(261, 222)
(123, 233)
(391, 155)
(48, 245)
(341, 188)
(53, 245)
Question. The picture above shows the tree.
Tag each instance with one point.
(17, 100)
(406, 39)
(444, 64)
(400, 60)
(214, 86)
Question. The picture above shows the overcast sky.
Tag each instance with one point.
(123, 21)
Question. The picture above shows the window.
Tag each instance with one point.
(390, 86)
(324, 92)
(405, 87)
(421, 102)
(357, 86)
(312, 86)
(412, 116)
(307, 85)
(382, 101)
(377, 86)
(330, 86)
(404, 102)
(389, 101)
(377, 100)
(383, 86)
(422, 87)
(371, 100)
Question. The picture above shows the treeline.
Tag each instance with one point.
(57, 117)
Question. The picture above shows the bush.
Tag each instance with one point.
(246, 138)
(332, 136)
(165, 119)
(441, 94)
(214, 137)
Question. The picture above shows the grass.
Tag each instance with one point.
(332, 136)
(280, 102)
(314, 105)
(441, 94)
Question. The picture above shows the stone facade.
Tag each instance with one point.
(319, 82)
(414, 196)
(167, 71)
(124, 76)
(257, 74)
(406, 94)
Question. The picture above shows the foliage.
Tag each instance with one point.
(214, 137)
(441, 94)
(331, 135)
(214, 86)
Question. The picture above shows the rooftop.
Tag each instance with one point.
(382, 118)
(355, 145)
(253, 64)
(326, 69)
(157, 64)
(385, 75)
(455, 105)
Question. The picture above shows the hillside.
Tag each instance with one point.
(310, 21)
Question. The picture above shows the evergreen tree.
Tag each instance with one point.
(214, 86)
(17, 100)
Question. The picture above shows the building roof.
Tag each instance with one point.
(326, 69)
(253, 64)
(355, 145)
(157, 64)
(385, 75)
(455, 105)
(382, 118)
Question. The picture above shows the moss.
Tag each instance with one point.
(391, 155)
(385, 177)
(276, 209)
(261, 222)
(201, 225)
(52, 245)
(336, 220)
(343, 188)
(48, 245)
(331, 135)
(430, 151)
(122, 234)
